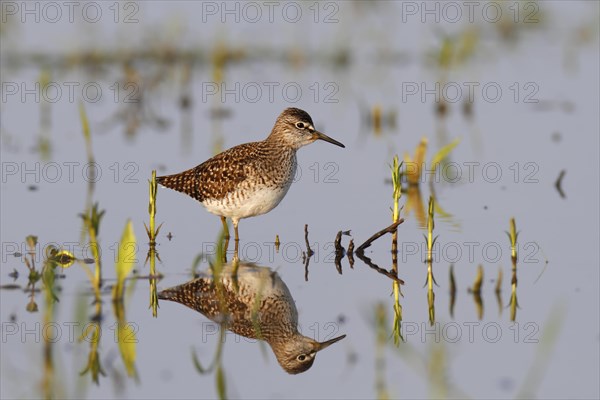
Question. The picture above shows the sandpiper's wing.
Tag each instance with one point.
(234, 306)
(201, 294)
(217, 176)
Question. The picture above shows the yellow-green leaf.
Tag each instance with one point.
(126, 258)
(84, 122)
(443, 153)
(446, 53)
(478, 280)
(31, 241)
(127, 346)
(413, 167)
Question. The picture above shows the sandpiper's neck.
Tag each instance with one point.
(282, 339)
(276, 144)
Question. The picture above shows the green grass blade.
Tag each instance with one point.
(125, 259)
(443, 153)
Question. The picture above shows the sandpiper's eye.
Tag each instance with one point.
(301, 357)
(300, 125)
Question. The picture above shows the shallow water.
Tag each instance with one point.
(511, 152)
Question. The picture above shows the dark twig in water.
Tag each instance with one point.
(339, 252)
(389, 274)
(360, 251)
(309, 251)
(369, 241)
(350, 253)
(306, 262)
(308, 254)
(338, 242)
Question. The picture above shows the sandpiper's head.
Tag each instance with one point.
(298, 354)
(295, 128)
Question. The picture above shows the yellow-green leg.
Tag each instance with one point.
(237, 237)
(226, 239)
(225, 227)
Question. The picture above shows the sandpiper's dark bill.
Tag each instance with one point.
(322, 136)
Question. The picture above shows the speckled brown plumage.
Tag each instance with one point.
(274, 315)
(262, 163)
(259, 306)
(250, 179)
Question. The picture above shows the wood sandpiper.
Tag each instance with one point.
(254, 302)
(252, 178)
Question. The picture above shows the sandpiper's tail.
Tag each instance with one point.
(184, 294)
(184, 182)
(198, 294)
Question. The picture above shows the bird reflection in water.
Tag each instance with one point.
(253, 302)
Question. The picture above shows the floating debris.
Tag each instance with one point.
(478, 280)
(476, 291)
(498, 290)
(468, 109)
(556, 137)
(64, 258)
(452, 291)
(350, 253)
(10, 286)
(14, 274)
(499, 281)
(558, 183)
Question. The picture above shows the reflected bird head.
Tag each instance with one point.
(298, 355)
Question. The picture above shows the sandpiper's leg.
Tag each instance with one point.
(237, 238)
(225, 248)
(225, 227)
(225, 238)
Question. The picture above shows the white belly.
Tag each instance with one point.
(238, 206)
